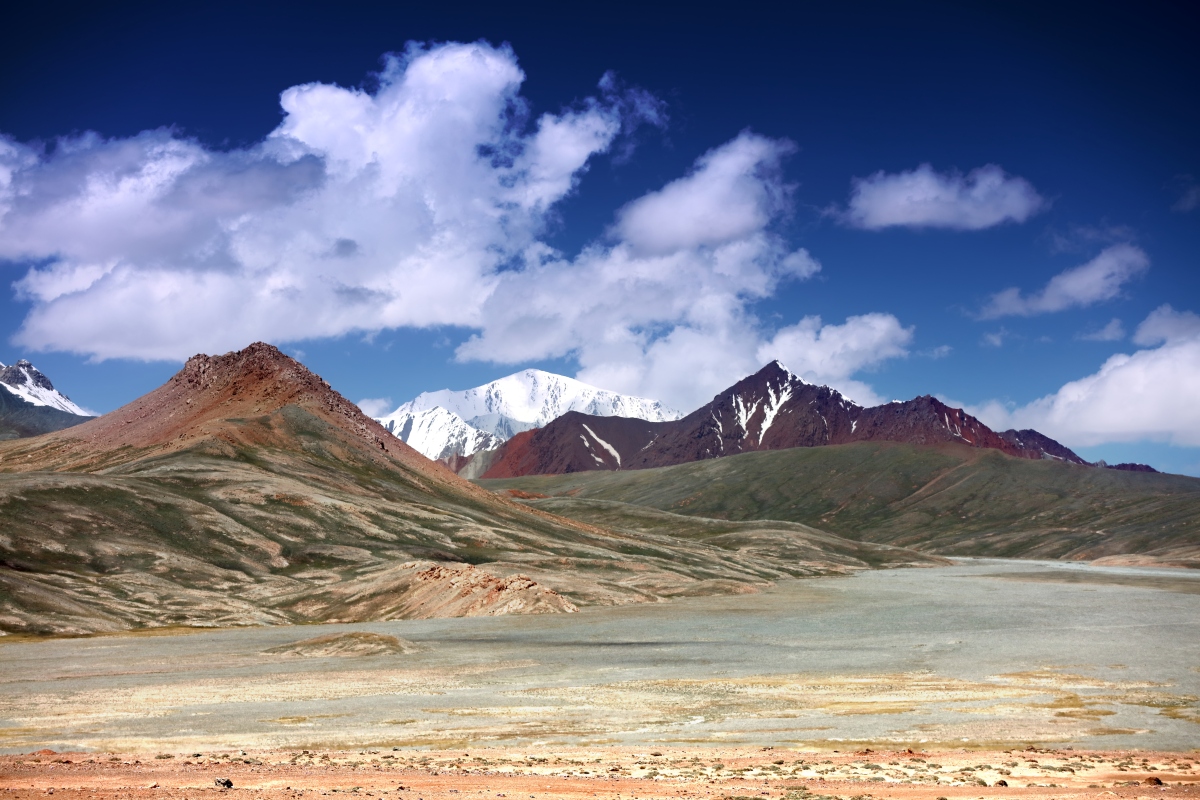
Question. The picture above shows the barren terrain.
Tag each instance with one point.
(604, 772)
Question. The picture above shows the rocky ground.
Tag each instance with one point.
(605, 772)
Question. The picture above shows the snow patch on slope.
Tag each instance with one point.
(774, 403)
(612, 450)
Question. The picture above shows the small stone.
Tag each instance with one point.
(224, 783)
(1154, 782)
(152, 785)
(1001, 782)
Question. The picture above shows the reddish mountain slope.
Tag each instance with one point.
(770, 410)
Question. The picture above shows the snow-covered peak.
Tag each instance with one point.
(438, 433)
(444, 423)
(533, 398)
(26, 382)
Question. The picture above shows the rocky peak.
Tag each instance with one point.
(23, 373)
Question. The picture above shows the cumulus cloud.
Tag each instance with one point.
(661, 308)
(1114, 331)
(1165, 324)
(421, 203)
(1094, 282)
(733, 193)
(831, 354)
(922, 198)
(361, 211)
(1149, 395)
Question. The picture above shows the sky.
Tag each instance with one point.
(997, 205)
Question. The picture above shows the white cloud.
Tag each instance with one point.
(922, 198)
(660, 310)
(1096, 281)
(831, 354)
(1149, 395)
(733, 193)
(1165, 324)
(1114, 331)
(420, 204)
(359, 212)
(375, 406)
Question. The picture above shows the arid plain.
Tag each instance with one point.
(1059, 680)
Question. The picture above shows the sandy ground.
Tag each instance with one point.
(605, 772)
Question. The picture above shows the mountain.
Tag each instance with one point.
(246, 491)
(770, 410)
(447, 423)
(25, 381)
(30, 405)
(949, 499)
(438, 433)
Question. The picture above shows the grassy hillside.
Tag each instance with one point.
(950, 500)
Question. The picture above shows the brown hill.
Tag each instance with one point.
(198, 403)
(246, 491)
(770, 410)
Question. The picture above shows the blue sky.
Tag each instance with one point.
(996, 205)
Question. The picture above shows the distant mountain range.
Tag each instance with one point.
(452, 426)
(770, 410)
(534, 422)
(30, 405)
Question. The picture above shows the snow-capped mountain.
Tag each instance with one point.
(26, 382)
(501, 409)
(438, 433)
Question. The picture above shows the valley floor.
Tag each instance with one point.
(542, 773)
(985, 654)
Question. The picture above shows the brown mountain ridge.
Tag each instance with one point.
(770, 410)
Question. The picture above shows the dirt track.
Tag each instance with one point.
(604, 772)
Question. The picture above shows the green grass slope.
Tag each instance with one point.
(949, 500)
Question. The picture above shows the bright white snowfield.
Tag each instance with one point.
(438, 433)
(438, 424)
(26, 382)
